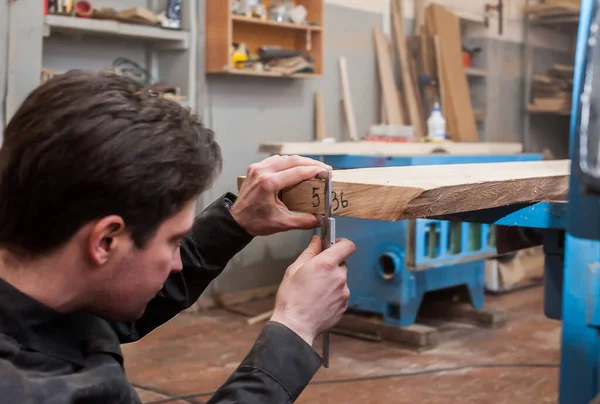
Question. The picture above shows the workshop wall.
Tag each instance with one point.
(247, 111)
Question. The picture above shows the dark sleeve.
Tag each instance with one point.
(276, 370)
(102, 382)
(214, 240)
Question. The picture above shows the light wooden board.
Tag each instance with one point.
(411, 94)
(397, 193)
(366, 148)
(391, 106)
(461, 121)
(347, 100)
(320, 123)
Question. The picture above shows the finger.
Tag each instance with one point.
(336, 254)
(313, 249)
(301, 221)
(293, 176)
(280, 163)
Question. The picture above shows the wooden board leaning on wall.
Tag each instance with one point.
(398, 193)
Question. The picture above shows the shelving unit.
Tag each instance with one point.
(83, 26)
(224, 28)
(170, 55)
(562, 17)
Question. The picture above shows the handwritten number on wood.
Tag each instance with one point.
(344, 201)
(336, 202)
(316, 195)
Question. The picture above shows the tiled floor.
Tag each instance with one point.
(196, 353)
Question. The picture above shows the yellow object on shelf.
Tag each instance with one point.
(239, 56)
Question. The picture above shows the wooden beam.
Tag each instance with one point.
(387, 82)
(366, 148)
(458, 109)
(397, 193)
(320, 123)
(411, 94)
(347, 100)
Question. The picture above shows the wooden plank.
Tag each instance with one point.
(461, 120)
(445, 100)
(419, 16)
(366, 148)
(417, 335)
(411, 42)
(464, 312)
(428, 68)
(347, 100)
(546, 10)
(320, 123)
(398, 193)
(391, 106)
(413, 99)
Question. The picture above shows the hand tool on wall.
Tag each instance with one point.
(327, 240)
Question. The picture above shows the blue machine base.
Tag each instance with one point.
(380, 282)
(400, 306)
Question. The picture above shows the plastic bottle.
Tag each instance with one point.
(436, 124)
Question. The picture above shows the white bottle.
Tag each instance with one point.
(436, 124)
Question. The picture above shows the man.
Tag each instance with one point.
(99, 245)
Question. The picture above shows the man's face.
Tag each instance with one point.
(137, 275)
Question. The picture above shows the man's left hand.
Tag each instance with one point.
(258, 208)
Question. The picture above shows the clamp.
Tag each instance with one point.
(327, 240)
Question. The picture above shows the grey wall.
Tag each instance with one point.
(246, 111)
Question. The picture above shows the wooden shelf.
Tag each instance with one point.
(88, 26)
(223, 29)
(546, 14)
(537, 110)
(248, 72)
(288, 25)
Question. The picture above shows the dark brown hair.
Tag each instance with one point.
(87, 144)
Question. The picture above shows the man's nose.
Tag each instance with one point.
(177, 265)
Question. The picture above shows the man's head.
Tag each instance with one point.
(95, 170)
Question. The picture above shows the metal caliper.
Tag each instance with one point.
(327, 240)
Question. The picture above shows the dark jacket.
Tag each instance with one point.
(47, 357)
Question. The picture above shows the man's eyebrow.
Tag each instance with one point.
(183, 233)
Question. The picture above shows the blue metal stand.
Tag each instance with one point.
(382, 283)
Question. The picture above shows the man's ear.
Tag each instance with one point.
(105, 237)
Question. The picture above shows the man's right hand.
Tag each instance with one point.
(314, 294)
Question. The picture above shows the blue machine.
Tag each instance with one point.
(396, 263)
(571, 230)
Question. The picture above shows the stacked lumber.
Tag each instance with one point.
(434, 52)
(552, 91)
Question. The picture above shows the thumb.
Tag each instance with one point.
(313, 249)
